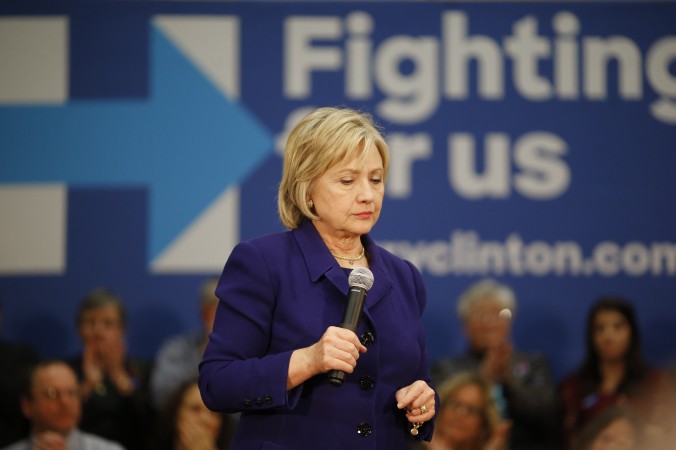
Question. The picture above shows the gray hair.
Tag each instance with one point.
(483, 290)
(99, 298)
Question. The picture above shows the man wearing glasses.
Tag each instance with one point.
(51, 402)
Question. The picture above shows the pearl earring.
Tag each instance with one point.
(310, 204)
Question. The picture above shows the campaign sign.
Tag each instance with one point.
(533, 143)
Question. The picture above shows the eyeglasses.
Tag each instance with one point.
(464, 408)
(53, 393)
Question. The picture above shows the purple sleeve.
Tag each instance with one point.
(236, 372)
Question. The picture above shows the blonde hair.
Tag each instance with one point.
(322, 139)
(489, 414)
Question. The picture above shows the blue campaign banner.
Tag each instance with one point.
(532, 142)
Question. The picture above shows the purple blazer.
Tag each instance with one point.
(279, 293)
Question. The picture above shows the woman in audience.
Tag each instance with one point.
(614, 372)
(468, 418)
(187, 424)
(616, 428)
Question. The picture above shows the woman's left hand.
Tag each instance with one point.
(418, 400)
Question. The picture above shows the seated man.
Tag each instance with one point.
(523, 386)
(51, 402)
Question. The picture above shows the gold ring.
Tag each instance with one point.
(423, 409)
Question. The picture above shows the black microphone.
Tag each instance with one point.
(360, 280)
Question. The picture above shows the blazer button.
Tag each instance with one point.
(364, 429)
(258, 401)
(367, 339)
(247, 403)
(366, 382)
(268, 400)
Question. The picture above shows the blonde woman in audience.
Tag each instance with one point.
(187, 424)
(468, 418)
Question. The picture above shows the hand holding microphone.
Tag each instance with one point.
(360, 281)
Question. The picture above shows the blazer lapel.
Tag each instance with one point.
(318, 258)
(382, 283)
(319, 262)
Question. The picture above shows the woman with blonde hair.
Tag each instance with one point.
(276, 337)
(468, 418)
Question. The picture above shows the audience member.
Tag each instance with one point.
(178, 357)
(186, 423)
(522, 384)
(50, 399)
(114, 386)
(615, 372)
(16, 360)
(468, 418)
(615, 428)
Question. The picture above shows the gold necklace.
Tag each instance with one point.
(351, 260)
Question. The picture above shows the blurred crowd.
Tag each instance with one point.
(107, 399)
(493, 396)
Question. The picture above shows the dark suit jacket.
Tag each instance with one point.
(125, 419)
(279, 293)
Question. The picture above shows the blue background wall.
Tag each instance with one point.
(531, 142)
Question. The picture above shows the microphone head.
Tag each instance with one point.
(361, 277)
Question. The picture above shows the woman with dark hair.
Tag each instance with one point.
(185, 423)
(617, 427)
(614, 371)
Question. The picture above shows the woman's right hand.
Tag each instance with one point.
(338, 349)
